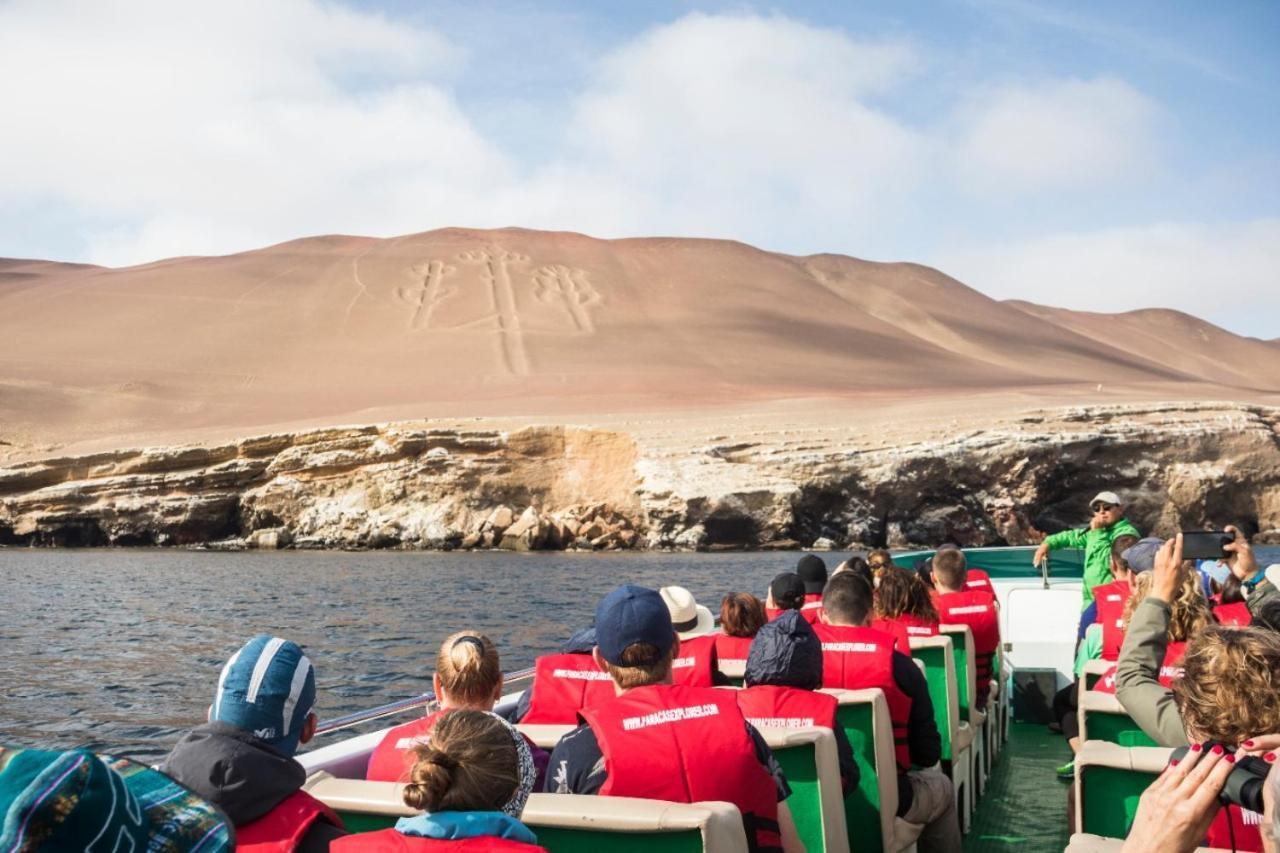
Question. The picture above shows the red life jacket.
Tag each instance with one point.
(859, 658)
(563, 685)
(695, 665)
(812, 607)
(1247, 827)
(732, 648)
(769, 706)
(896, 629)
(1110, 598)
(282, 828)
(809, 614)
(1233, 614)
(978, 611)
(390, 841)
(1170, 669)
(391, 758)
(976, 580)
(686, 745)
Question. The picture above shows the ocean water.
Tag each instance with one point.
(119, 650)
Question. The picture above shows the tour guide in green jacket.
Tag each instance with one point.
(1107, 523)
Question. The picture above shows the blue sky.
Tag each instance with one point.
(1091, 155)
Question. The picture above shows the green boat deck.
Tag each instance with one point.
(1024, 807)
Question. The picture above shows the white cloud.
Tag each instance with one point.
(1229, 274)
(1055, 134)
(217, 128)
(747, 126)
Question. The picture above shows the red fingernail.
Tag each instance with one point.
(1195, 747)
(1173, 763)
(1248, 744)
(1217, 750)
(1270, 758)
(1231, 759)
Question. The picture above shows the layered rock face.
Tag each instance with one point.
(446, 486)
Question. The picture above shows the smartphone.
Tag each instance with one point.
(1199, 545)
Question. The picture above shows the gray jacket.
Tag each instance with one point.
(1138, 684)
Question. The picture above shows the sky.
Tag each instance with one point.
(1090, 155)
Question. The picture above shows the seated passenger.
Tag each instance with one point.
(468, 675)
(855, 657)
(741, 617)
(1109, 599)
(1189, 613)
(696, 665)
(813, 572)
(783, 671)
(472, 781)
(67, 801)
(1229, 605)
(565, 683)
(660, 741)
(904, 608)
(242, 759)
(786, 592)
(879, 560)
(1227, 689)
(977, 609)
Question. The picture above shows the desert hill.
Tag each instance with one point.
(514, 322)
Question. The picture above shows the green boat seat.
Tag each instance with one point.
(1109, 780)
(564, 823)
(1103, 718)
(967, 688)
(733, 670)
(1094, 670)
(871, 808)
(938, 657)
(809, 760)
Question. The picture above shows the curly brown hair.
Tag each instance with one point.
(900, 592)
(1189, 611)
(1230, 686)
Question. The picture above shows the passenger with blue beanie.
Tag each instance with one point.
(242, 759)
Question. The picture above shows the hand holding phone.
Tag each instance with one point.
(1198, 545)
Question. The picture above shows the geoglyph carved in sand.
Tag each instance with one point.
(552, 283)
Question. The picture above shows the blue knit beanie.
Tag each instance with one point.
(267, 689)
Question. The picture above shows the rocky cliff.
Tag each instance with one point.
(445, 486)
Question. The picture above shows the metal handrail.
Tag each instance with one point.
(400, 706)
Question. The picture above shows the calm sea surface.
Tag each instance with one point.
(120, 650)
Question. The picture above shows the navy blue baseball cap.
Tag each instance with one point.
(267, 689)
(1141, 557)
(632, 614)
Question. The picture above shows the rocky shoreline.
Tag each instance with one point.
(422, 485)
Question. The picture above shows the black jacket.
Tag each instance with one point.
(786, 652)
(243, 776)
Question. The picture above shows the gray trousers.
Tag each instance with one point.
(933, 804)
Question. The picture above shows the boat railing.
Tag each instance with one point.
(401, 705)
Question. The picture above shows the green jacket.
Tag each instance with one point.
(1138, 684)
(1097, 551)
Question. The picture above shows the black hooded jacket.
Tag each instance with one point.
(243, 776)
(786, 652)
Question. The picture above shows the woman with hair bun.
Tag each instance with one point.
(468, 676)
(472, 781)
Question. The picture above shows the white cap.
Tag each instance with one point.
(1106, 498)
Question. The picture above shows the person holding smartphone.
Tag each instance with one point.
(1106, 524)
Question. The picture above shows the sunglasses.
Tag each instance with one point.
(1103, 507)
(878, 565)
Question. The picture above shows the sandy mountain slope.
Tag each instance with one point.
(1182, 342)
(513, 322)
